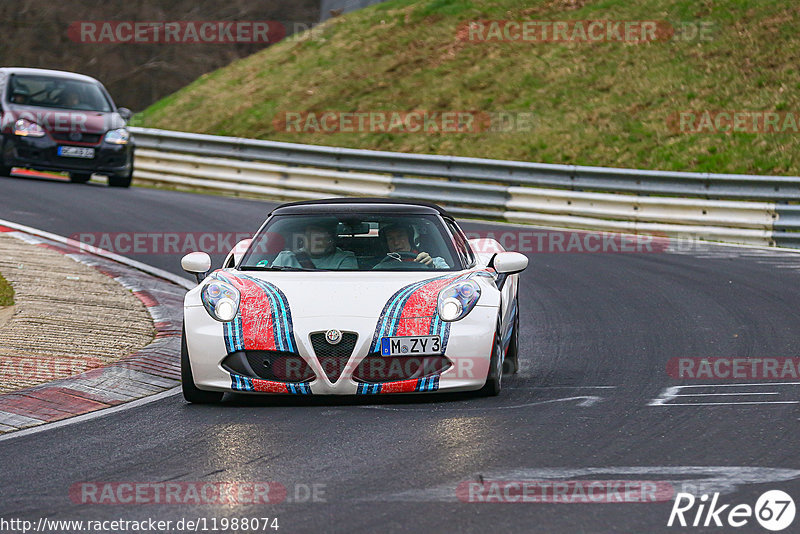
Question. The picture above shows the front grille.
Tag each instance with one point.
(378, 369)
(76, 137)
(333, 358)
(272, 365)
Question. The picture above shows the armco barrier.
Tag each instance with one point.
(721, 207)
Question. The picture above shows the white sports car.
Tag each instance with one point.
(352, 296)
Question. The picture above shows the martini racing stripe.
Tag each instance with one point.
(264, 321)
(234, 338)
(282, 316)
(368, 389)
(420, 385)
(392, 311)
(387, 321)
(430, 383)
(243, 383)
(413, 311)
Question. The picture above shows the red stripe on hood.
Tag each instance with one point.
(415, 318)
(258, 328)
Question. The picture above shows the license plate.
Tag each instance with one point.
(76, 152)
(411, 345)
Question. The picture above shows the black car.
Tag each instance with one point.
(62, 121)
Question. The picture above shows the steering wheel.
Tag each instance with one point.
(402, 256)
(402, 260)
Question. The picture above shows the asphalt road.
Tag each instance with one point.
(597, 333)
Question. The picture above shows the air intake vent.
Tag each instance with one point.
(269, 365)
(333, 358)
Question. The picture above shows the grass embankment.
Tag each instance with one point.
(6, 293)
(595, 103)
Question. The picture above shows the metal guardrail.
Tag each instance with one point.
(734, 208)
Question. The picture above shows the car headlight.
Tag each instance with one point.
(221, 300)
(119, 136)
(458, 299)
(26, 128)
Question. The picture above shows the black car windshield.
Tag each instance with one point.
(353, 242)
(57, 92)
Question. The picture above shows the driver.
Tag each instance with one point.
(70, 99)
(320, 250)
(398, 241)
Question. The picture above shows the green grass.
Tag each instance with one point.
(595, 104)
(6, 293)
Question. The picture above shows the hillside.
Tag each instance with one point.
(593, 103)
(38, 33)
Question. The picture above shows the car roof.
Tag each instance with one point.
(360, 205)
(48, 72)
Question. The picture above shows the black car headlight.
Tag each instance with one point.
(120, 136)
(458, 299)
(26, 128)
(221, 300)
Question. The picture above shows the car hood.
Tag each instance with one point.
(64, 120)
(350, 294)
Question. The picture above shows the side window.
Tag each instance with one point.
(460, 242)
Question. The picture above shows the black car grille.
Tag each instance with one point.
(272, 365)
(76, 137)
(333, 358)
(378, 369)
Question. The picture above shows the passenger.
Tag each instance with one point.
(320, 250)
(20, 96)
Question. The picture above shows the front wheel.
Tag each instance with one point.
(124, 180)
(190, 392)
(511, 361)
(494, 381)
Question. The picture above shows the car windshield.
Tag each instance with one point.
(348, 242)
(57, 92)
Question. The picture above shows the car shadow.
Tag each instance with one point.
(284, 400)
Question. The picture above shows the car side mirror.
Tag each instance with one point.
(509, 262)
(125, 113)
(197, 263)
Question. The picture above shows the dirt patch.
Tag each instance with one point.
(67, 317)
(6, 312)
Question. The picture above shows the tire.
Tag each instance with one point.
(5, 171)
(123, 180)
(190, 391)
(79, 177)
(494, 380)
(511, 362)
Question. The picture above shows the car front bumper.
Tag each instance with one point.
(469, 349)
(41, 153)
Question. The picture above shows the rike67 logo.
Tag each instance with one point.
(774, 510)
